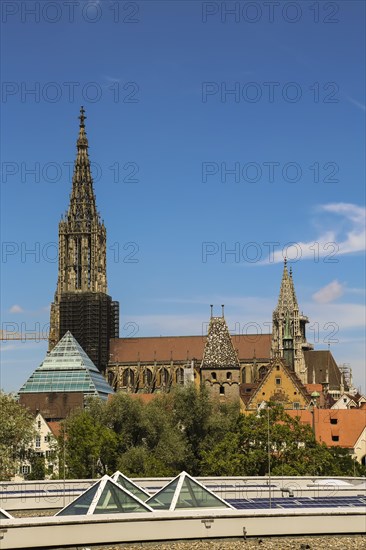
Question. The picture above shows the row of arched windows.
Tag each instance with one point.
(163, 378)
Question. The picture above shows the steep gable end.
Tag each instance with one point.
(279, 385)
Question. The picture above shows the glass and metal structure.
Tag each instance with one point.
(67, 368)
(183, 493)
(104, 497)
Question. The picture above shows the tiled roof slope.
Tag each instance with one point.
(347, 425)
(183, 348)
(219, 351)
(320, 361)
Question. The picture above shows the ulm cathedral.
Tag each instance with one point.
(84, 319)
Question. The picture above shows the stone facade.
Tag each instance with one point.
(156, 364)
(288, 328)
(231, 366)
(279, 385)
(220, 367)
(80, 303)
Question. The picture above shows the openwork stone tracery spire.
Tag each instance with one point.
(288, 330)
(82, 235)
(81, 303)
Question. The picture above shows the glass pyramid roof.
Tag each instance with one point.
(67, 368)
(4, 514)
(104, 497)
(134, 489)
(184, 492)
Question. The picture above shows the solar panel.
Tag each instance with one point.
(300, 502)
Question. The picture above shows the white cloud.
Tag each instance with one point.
(329, 293)
(16, 309)
(332, 242)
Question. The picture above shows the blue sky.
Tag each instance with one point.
(210, 132)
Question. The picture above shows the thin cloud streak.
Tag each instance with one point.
(331, 244)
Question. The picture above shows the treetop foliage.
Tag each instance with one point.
(187, 430)
(16, 433)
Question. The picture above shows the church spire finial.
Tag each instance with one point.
(82, 117)
(82, 142)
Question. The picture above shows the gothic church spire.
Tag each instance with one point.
(82, 206)
(287, 300)
(82, 266)
(288, 327)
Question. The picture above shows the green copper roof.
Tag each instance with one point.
(67, 368)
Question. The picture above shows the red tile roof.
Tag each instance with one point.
(183, 348)
(349, 425)
(55, 428)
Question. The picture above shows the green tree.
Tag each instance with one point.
(270, 439)
(346, 464)
(89, 446)
(192, 410)
(16, 433)
(38, 466)
(126, 417)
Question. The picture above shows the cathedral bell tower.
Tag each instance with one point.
(81, 303)
(288, 328)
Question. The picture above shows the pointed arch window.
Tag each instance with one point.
(147, 377)
(165, 377)
(262, 372)
(128, 378)
(179, 376)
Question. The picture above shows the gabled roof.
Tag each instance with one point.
(184, 492)
(67, 368)
(319, 365)
(255, 390)
(55, 427)
(356, 397)
(219, 351)
(347, 425)
(104, 497)
(128, 484)
(184, 348)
